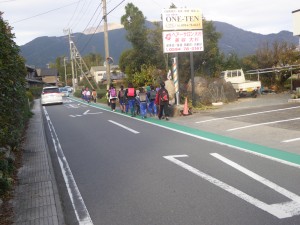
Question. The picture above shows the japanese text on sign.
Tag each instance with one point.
(182, 19)
(183, 41)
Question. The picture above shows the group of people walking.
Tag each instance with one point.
(88, 96)
(142, 102)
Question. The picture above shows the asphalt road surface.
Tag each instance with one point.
(114, 169)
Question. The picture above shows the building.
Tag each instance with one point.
(32, 78)
(48, 76)
(99, 73)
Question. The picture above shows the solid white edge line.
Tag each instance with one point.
(213, 141)
(127, 128)
(68, 176)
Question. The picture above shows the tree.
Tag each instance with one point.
(277, 55)
(206, 63)
(142, 52)
(14, 110)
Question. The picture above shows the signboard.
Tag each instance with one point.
(296, 20)
(182, 19)
(183, 41)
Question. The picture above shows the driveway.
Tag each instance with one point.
(269, 120)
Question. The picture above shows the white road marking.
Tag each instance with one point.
(291, 140)
(81, 212)
(127, 128)
(257, 177)
(248, 114)
(85, 113)
(261, 124)
(207, 139)
(282, 210)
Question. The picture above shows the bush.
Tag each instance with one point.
(36, 91)
(5, 185)
(29, 96)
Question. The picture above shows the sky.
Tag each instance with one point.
(35, 18)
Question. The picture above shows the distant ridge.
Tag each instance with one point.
(110, 26)
(44, 50)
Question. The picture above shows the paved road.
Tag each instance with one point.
(121, 170)
(269, 120)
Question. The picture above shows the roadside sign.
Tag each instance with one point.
(182, 19)
(296, 22)
(183, 41)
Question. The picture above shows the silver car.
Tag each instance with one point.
(64, 92)
(51, 95)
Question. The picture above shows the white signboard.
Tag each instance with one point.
(296, 20)
(183, 41)
(182, 19)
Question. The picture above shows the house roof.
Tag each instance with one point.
(47, 72)
(103, 68)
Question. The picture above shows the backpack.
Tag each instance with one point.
(164, 96)
(130, 92)
(152, 95)
(122, 93)
(143, 97)
(113, 93)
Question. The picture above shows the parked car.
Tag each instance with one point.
(51, 95)
(64, 92)
(70, 89)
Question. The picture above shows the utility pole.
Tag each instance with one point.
(71, 58)
(106, 44)
(65, 59)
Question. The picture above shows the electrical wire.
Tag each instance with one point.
(91, 37)
(68, 25)
(85, 13)
(79, 15)
(44, 13)
(100, 24)
(90, 22)
(115, 7)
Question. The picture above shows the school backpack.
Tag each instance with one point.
(113, 93)
(152, 95)
(143, 97)
(164, 95)
(122, 93)
(130, 92)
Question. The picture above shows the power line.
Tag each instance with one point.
(93, 17)
(83, 13)
(73, 13)
(91, 36)
(90, 22)
(44, 13)
(115, 7)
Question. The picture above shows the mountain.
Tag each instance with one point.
(44, 50)
(245, 42)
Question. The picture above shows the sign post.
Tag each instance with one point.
(182, 33)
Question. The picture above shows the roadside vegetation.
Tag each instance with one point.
(14, 114)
